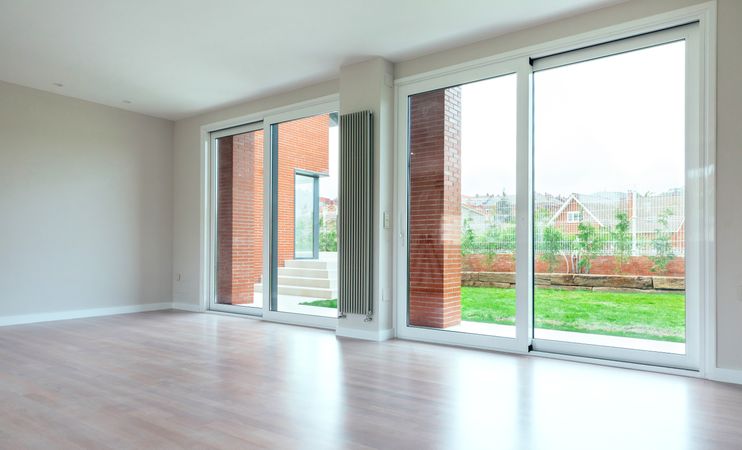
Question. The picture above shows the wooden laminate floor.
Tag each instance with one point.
(183, 380)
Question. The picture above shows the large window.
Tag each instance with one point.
(584, 165)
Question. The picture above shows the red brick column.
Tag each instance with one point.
(435, 208)
(240, 217)
(224, 221)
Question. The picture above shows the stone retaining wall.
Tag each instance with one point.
(614, 283)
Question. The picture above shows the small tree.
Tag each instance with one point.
(468, 239)
(662, 244)
(589, 244)
(621, 238)
(551, 246)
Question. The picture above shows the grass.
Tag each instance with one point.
(629, 314)
(333, 303)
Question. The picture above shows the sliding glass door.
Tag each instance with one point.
(304, 216)
(273, 217)
(462, 249)
(553, 204)
(614, 205)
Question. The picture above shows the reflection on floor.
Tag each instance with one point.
(187, 380)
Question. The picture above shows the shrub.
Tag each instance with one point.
(621, 238)
(662, 244)
(589, 245)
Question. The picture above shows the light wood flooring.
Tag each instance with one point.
(185, 380)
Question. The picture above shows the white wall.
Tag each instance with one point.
(85, 205)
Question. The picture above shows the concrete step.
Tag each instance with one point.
(284, 280)
(302, 291)
(307, 273)
(316, 264)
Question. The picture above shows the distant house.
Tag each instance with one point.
(644, 212)
(499, 208)
(328, 210)
(597, 209)
(476, 217)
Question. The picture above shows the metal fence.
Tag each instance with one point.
(605, 223)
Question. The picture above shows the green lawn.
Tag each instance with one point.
(649, 316)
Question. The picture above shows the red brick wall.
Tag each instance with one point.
(239, 217)
(302, 144)
(435, 209)
(602, 265)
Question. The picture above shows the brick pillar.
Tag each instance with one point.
(224, 221)
(240, 217)
(435, 208)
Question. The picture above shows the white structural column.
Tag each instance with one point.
(369, 86)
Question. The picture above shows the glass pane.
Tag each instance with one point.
(609, 201)
(307, 179)
(462, 208)
(239, 227)
(304, 225)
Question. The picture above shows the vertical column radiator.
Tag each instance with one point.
(355, 218)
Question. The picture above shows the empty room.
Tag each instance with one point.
(487, 224)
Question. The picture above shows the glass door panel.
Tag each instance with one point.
(462, 208)
(609, 200)
(305, 216)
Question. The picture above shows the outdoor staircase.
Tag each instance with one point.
(312, 278)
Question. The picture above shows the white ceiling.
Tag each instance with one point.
(176, 58)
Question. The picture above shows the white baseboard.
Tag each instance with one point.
(725, 375)
(367, 335)
(187, 307)
(81, 313)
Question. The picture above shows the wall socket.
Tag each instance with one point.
(387, 220)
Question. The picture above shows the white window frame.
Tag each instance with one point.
(703, 349)
(521, 69)
(574, 216)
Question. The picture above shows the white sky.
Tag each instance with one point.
(610, 124)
